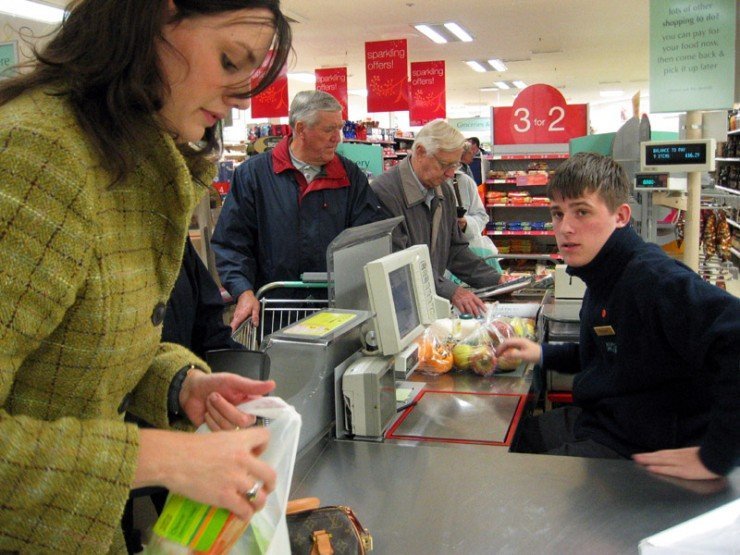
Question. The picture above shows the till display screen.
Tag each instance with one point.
(670, 155)
(651, 181)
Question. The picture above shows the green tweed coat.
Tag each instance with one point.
(85, 270)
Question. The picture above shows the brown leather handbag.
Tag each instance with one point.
(330, 530)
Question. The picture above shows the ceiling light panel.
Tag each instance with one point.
(458, 31)
(502, 85)
(497, 64)
(442, 33)
(431, 34)
(476, 66)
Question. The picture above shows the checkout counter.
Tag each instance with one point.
(441, 479)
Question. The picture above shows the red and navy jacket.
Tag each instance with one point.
(274, 225)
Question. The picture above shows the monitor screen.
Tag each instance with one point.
(672, 154)
(402, 290)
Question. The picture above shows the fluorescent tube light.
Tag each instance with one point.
(303, 77)
(497, 64)
(502, 85)
(488, 89)
(32, 10)
(431, 34)
(458, 31)
(476, 66)
(519, 84)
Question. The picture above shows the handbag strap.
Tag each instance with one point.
(456, 189)
(321, 543)
(302, 504)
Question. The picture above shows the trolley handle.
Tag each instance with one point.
(289, 284)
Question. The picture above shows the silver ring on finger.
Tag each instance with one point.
(251, 494)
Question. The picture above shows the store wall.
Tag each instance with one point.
(25, 32)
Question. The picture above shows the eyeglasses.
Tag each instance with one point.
(446, 166)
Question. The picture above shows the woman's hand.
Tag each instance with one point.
(215, 469)
(212, 398)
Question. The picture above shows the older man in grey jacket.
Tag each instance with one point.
(418, 188)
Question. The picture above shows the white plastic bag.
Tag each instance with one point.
(268, 530)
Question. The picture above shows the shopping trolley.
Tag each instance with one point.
(279, 312)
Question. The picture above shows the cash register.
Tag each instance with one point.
(403, 301)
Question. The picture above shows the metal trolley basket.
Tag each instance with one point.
(278, 312)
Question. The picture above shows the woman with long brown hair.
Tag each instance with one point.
(106, 144)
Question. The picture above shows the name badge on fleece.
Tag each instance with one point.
(603, 331)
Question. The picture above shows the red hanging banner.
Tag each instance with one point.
(539, 115)
(273, 101)
(427, 92)
(386, 76)
(333, 80)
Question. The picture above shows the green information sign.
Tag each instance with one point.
(368, 157)
(8, 57)
(692, 55)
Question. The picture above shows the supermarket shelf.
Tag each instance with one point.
(514, 256)
(727, 159)
(367, 142)
(734, 132)
(727, 190)
(530, 205)
(735, 252)
(534, 156)
(524, 233)
(733, 223)
(512, 182)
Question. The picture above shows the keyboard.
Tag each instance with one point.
(503, 288)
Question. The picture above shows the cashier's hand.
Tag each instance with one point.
(246, 307)
(213, 398)
(467, 302)
(462, 223)
(680, 463)
(520, 348)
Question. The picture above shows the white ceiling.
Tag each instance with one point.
(581, 47)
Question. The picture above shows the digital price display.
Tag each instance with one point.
(651, 181)
(678, 156)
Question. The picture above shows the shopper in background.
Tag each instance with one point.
(466, 159)
(99, 180)
(419, 189)
(658, 358)
(472, 217)
(285, 206)
(477, 150)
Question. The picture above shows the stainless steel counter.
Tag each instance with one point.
(425, 500)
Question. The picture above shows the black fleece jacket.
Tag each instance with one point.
(658, 360)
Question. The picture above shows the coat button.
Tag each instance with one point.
(158, 314)
(123, 407)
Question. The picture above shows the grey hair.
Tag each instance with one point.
(438, 135)
(307, 104)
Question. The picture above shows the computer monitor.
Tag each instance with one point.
(402, 295)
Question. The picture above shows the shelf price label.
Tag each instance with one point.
(540, 115)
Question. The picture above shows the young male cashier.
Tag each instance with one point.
(658, 360)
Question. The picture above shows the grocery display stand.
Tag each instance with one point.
(524, 221)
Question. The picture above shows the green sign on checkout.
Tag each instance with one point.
(8, 57)
(692, 55)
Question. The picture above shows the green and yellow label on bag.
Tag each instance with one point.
(191, 524)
